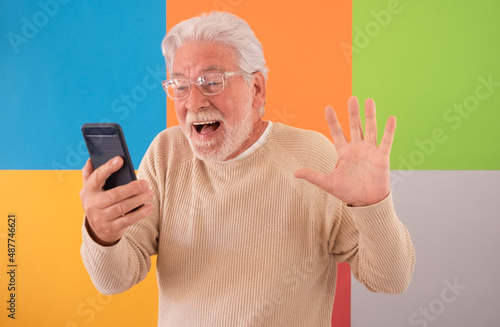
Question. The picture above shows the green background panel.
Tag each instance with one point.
(420, 61)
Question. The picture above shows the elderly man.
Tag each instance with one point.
(248, 218)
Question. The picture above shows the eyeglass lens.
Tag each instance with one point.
(209, 84)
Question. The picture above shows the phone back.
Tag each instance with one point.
(105, 141)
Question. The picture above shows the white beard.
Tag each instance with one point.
(228, 143)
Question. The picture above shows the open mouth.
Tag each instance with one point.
(206, 127)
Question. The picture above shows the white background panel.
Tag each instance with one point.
(453, 218)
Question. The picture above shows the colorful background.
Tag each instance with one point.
(432, 64)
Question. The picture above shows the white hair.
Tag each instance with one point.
(218, 27)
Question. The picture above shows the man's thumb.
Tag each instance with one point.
(313, 177)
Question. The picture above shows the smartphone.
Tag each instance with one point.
(105, 141)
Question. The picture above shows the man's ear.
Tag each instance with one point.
(258, 90)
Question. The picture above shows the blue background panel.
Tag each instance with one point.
(65, 63)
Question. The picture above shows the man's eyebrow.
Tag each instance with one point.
(210, 68)
(175, 75)
(213, 68)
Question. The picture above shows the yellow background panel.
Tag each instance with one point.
(52, 285)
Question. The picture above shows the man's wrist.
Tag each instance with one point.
(95, 238)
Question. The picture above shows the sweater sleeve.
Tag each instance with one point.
(115, 269)
(376, 245)
(371, 239)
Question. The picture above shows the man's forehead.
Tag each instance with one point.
(198, 58)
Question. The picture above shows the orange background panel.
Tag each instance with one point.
(307, 70)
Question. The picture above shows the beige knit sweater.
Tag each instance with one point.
(245, 243)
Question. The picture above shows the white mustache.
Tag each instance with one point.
(209, 114)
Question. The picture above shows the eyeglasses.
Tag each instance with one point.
(208, 84)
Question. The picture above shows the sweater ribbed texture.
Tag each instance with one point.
(245, 243)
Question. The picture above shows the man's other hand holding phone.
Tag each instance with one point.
(110, 212)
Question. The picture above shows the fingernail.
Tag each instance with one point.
(115, 161)
(144, 185)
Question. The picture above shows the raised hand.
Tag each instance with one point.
(361, 175)
(109, 212)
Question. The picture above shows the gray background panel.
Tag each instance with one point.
(453, 218)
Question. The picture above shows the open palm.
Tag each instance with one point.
(362, 175)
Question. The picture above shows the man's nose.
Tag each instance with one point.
(196, 100)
